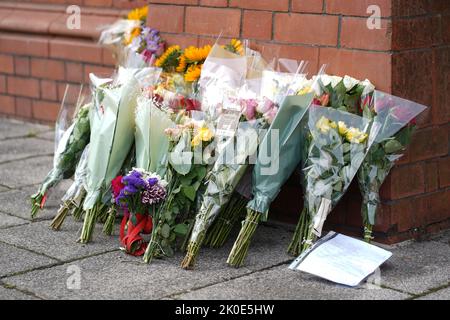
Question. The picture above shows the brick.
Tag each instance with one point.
(418, 89)
(23, 107)
(357, 7)
(47, 69)
(74, 72)
(36, 21)
(7, 105)
(25, 87)
(441, 89)
(306, 29)
(431, 175)
(429, 143)
(212, 21)
(188, 2)
(108, 58)
(270, 5)
(166, 18)
(29, 45)
(355, 34)
(98, 3)
(48, 90)
(45, 111)
(257, 25)
(359, 64)
(407, 214)
(22, 66)
(2, 84)
(407, 8)
(97, 70)
(214, 3)
(76, 50)
(127, 4)
(182, 40)
(407, 181)
(309, 6)
(420, 32)
(6, 64)
(444, 172)
(73, 92)
(438, 206)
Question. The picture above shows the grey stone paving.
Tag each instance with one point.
(9, 221)
(36, 262)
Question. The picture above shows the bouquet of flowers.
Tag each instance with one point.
(393, 125)
(75, 194)
(283, 139)
(337, 143)
(66, 157)
(185, 174)
(112, 124)
(139, 193)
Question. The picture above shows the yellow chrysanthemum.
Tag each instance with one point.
(182, 64)
(193, 73)
(138, 14)
(333, 124)
(305, 90)
(237, 45)
(342, 128)
(323, 125)
(354, 135)
(194, 54)
(203, 134)
(169, 58)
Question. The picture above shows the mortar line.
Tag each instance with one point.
(430, 291)
(24, 291)
(27, 158)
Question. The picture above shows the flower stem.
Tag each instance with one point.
(60, 216)
(108, 227)
(89, 224)
(36, 204)
(296, 243)
(368, 232)
(240, 248)
(192, 252)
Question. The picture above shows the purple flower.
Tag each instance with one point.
(154, 194)
(152, 181)
(134, 179)
(130, 189)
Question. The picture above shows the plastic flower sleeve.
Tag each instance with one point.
(337, 145)
(392, 129)
(223, 178)
(283, 139)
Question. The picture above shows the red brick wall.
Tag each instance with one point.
(409, 56)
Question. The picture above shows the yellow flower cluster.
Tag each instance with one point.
(202, 134)
(136, 14)
(352, 135)
(189, 61)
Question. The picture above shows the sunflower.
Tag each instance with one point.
(169, 59)
(138, 14)
(182, 64)
(195, 55)
(235, 46)
(193, 73)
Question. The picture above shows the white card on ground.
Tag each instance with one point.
(341, 259)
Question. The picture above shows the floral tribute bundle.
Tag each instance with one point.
(182, 143)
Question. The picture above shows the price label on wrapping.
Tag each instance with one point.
(227, 123)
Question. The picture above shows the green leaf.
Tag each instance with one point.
(189, 191)
(393, 146)
(181, 229)
(165, 230)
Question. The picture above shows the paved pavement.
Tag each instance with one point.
(38, 263)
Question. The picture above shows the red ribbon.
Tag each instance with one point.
(44, 199)
(144, 225)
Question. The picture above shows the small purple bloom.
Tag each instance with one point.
(152, 181)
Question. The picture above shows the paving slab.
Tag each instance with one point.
(27, 172)
(282, 283)
(17, 202)
(12, 149)
(443, 294)
(18, 260)
(443, 236)
(8, 221)
(61, 244)
(13, 294)
(48, 135)
(116, 275)
(417, 267)
(10, 128)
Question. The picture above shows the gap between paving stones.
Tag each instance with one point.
(25, 292)
(429, 291)
(26, 158)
